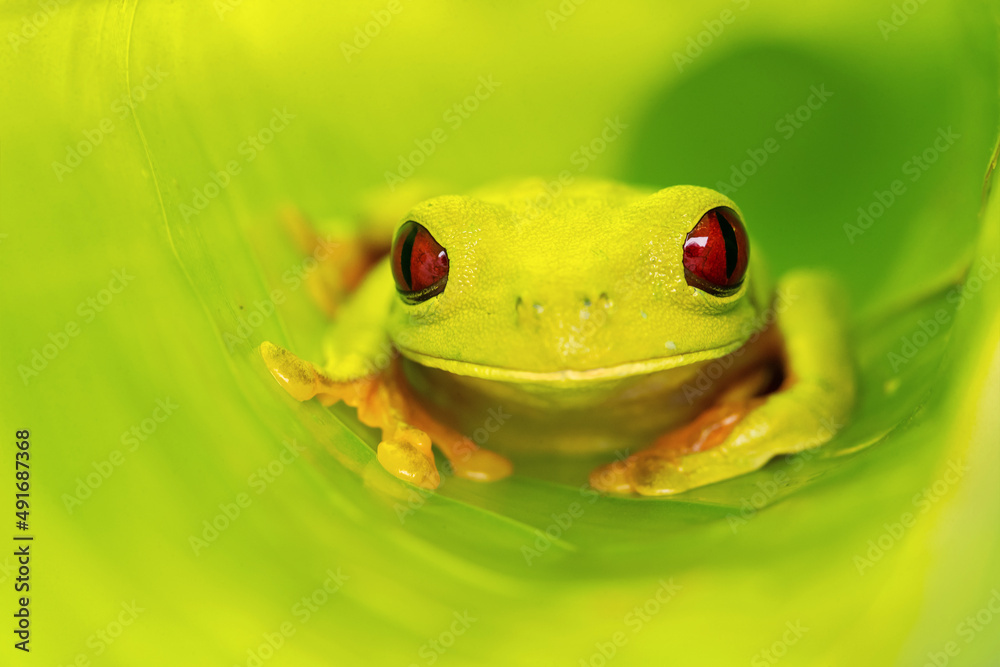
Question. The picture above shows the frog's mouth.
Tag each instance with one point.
(571, 375)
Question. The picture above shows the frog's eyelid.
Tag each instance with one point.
(424, 294)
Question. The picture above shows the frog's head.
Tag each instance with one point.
(597, 281)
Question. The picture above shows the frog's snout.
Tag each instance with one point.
(565, 326)
(570, 310)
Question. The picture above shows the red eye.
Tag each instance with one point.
(716, 252)
(419, 263)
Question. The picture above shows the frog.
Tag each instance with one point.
(621, 322)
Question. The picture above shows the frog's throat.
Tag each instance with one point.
(627, 369)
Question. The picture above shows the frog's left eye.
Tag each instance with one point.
(716, 252)
(419, 263)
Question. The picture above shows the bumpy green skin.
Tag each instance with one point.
(588, 287)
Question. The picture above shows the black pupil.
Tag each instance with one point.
(406, 256)
(732, 248)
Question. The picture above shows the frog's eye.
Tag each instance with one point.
(716, 252)
(419, 263)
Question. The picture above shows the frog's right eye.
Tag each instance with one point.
(419, 263)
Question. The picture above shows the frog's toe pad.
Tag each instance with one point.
(642, 474)
(658, 476)
(408, 463)
(297, 377)
(482, 465)
(612, 478)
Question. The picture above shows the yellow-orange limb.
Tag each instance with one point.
(708, 430)
(404, 451)
(468, 460)
(340, 263)
(385, 402)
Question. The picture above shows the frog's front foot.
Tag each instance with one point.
(748, 428)
(406, 454)
(384, 401)
(672, 464)
(727, 441)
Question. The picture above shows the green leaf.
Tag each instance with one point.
(159, 141)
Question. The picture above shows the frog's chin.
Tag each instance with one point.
(570, 375)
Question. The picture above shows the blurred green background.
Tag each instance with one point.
(159, 140)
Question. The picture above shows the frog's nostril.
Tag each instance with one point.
(527, 308)
(602, 301)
